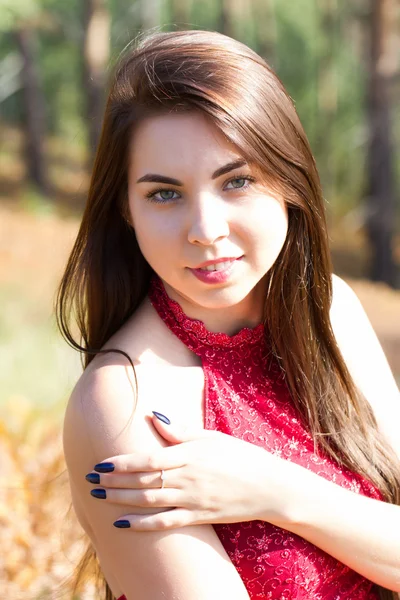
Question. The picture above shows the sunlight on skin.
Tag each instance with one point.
(204, 218)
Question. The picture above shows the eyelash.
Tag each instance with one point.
(151, 195)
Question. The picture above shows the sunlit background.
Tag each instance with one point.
(340, 62)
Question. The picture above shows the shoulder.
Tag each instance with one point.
(343, 294)
(349, 319)
(113, 403)
(365, 358)
(105, 414)
(105, 417)
(351, 324)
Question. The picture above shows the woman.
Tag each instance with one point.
(202, 271)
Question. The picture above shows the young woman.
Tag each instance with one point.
(236, 417)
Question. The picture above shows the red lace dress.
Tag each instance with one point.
(246, 396)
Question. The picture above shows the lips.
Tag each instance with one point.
(216, 261)
(217, 276)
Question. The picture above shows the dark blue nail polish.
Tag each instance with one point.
(122, 524)
(104, 467)
(93, 478)
(99, 493)
(162, 417)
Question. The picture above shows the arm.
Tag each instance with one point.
(189, 563)
(361, 532)
(366, 360)
(337, 520)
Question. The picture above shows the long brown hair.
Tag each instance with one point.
(107, 276)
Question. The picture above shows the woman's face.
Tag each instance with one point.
(192, 199)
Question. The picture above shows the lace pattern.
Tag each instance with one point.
(246, 397)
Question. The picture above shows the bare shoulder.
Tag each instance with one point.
(110, 409)
(350, 322)
(103, 410)
(343, 293)
(107, 416)
(365, 358)
(113, 402)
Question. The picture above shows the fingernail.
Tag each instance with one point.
(162, 417)
(92, 478)
(99, 493)
(104, 467)
(122, 524)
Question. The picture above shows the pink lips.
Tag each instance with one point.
(215, 261)
(216, 276)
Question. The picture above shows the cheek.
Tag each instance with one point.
(154, 230)
(268, 225)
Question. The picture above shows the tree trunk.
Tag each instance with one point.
(96, 51)
(380, 200)
(33, 111)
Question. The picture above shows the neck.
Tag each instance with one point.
(229, 320)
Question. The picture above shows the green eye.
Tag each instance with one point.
(161, 196)
(238, 183)
(166, 194)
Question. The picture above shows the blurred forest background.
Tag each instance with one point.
(340, 62)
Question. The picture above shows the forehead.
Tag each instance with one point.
(179, 140)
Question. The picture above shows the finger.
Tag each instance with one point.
(171, 519)
(149, 498)
(176, 433)
(141, 480)
(124, 463)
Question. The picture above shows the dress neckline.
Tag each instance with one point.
(194, 330)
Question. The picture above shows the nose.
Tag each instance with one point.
(208, 221)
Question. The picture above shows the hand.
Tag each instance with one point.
(209, 477)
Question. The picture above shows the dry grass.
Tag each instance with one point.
(41, 543)
(41, 539)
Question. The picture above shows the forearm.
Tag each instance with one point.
(361, 532)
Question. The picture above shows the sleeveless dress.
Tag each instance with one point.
(246, 397)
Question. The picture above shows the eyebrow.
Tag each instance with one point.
(154, 178)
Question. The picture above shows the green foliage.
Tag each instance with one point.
(14, 12)
(204, 14)
(37, 364)
(32, 202)
(309, 47)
